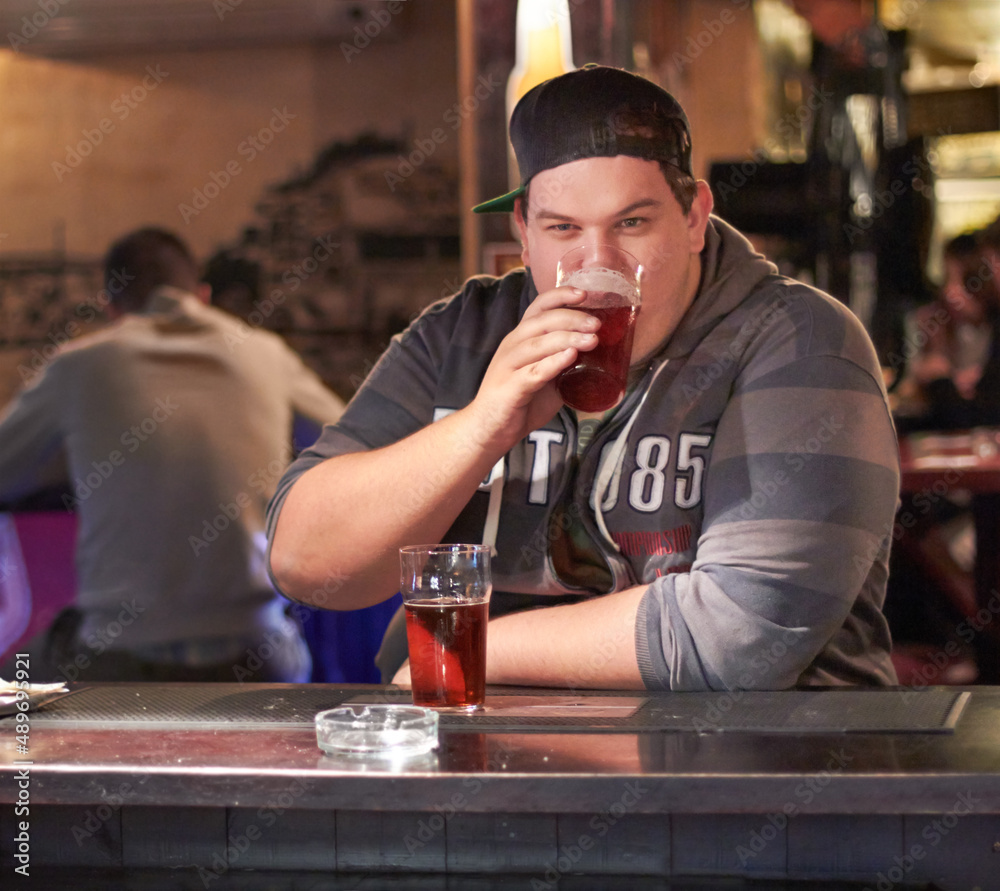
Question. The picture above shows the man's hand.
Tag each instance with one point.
(518, 393)
(371, 503)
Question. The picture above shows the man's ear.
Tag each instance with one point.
(701, 210)
(522, 229)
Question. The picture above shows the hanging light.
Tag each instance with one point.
(544, 46)
(543, 49)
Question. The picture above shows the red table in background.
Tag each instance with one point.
(934, 464)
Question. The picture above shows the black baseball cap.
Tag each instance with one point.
(593, 112)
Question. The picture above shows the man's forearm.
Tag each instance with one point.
(344, 519)
(583, 645)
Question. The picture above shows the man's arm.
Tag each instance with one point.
(336, 538)
(586, 645)
(344, 519)
(590, 644)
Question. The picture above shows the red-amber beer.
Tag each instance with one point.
(611, 278)
(596, 381)
(447, 643)
(446, 594)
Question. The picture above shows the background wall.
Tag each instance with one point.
(175, 118)
(217, 141)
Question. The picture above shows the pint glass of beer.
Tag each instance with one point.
(446, 596)
(611, 278)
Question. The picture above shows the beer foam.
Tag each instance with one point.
(602, 279)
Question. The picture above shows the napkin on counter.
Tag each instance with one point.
(36, 695)
(9, 688)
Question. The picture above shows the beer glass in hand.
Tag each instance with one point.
(611, 277)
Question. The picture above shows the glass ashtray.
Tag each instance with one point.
(377, 731)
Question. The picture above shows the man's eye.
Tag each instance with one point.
(631, 222)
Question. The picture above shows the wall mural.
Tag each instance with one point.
(336, 260)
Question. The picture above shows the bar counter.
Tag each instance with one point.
(895, 786)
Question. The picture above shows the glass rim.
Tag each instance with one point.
(456, 548)
(590, 251)
(598, 245)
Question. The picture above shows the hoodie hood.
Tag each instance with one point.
(730, 269)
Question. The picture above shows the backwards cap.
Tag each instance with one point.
(594, 112)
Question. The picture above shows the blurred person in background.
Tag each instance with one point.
(951, 379)
(174, 424)
(951, 382)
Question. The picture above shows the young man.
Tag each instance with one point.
(726, 525)
(176, 423)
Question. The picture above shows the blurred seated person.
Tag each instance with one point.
(951, 380)
(175, 423)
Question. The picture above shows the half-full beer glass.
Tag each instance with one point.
(446, 596)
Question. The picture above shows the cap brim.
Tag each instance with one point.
(501, 204)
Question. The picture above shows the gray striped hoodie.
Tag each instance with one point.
(749, 479)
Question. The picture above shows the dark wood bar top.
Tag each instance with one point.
(752, 765)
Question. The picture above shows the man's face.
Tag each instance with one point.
(627, 202)
(963, 304)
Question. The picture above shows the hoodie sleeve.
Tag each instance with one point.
(789, 573)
